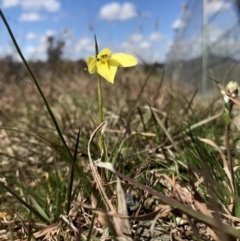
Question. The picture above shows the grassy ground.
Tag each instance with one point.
(168, 140)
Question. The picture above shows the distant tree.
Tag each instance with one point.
(11, 69)
(54, 52)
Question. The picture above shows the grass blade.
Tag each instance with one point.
(28, 206)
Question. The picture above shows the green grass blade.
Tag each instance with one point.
(40, 209)
(28, 206)
(70, 183)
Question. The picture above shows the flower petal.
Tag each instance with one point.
(92, 64)
(103, 52)
(107, 69)
(113, 65)
(124, 60)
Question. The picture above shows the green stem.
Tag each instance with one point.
(102, 144)
(229, 155)
(227, 142)
(100, 109)
(100, 99)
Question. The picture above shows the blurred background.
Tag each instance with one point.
(207, 44)
(192, 39)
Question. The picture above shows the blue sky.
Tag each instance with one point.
(143, 28)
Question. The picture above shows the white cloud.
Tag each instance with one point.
(169, 44)
(49, 33)
(31, 35)
(178, 24)
(36, 49)
(30, 17)
(137, 37)
(36, 52)
(116, 11)
(126, 45)
(136, 43)
(144, 45)
(155, 36)
(217, 6)
(144, 50)
(9, 3)
(85, 44)
(48, 5)
(7, 50)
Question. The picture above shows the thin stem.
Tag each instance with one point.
(102, 144)
(227, 143)
(100, 109)
(100, 99)
(229, 154)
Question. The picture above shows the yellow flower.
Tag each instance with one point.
(106, 63)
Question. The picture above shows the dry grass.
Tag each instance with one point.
(148, 148)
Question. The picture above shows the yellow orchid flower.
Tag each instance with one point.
(106, 63)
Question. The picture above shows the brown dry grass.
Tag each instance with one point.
(73, 100)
